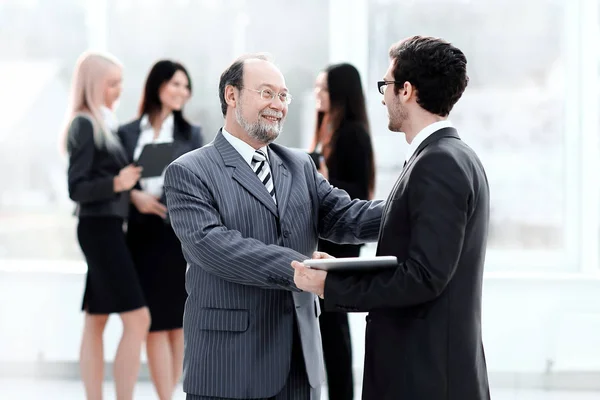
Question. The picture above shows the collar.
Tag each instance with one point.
(167, 123)
(424, 134)
(245, 150)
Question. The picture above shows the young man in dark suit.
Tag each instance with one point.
(423, 338)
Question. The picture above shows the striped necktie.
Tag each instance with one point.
(261, 168)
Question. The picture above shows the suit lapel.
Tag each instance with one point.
(243, 174)
(437, 135)
(132, 139)
(444, 132)
(282, 181)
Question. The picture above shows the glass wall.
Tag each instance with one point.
(521, 112)
(39, 44)
(530, 110)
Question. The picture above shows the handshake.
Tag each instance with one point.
(310, 280)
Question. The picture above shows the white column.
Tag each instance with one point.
(571, 187)
(349, 34)
(590, 129)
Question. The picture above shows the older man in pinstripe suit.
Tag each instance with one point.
(243, 209)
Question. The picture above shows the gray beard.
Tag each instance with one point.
(259, 130)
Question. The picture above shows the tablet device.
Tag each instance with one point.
(154, 158)
(352, 263)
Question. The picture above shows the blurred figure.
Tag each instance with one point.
(99, 181)
(342, 140)
(155, 249)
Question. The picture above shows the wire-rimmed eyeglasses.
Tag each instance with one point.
(269, 95)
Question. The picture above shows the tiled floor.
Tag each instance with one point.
(17, 389)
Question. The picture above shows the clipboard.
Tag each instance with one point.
(154, 158)
(352, 263)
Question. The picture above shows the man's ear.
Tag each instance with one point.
(231, 96)
(406, 92)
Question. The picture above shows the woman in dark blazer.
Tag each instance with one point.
(99, 180)
(155, 249)
(343, 143)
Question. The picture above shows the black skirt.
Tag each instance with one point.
(159, 262)
(112, 284)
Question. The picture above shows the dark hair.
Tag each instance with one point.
(346, 104)
(150, 104)
(234, 75)
(436, 69)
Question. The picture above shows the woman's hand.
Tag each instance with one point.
(127, 178)
(148, 204)
(323, 168)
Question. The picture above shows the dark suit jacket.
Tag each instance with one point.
(91, 173)
(243, 304)
(349, 163)
(423, 338)
(349, 166)
(182, 143)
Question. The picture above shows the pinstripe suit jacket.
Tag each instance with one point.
(239, 315)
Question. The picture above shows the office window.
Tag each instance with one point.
(39, 44)
(515, 113)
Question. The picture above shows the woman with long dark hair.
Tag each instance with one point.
(155, 249)
(342, 140)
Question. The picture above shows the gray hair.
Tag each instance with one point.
(234, 75)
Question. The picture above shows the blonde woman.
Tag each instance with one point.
(99, 182)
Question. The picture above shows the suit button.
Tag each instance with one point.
(288, 309)
(286, 234)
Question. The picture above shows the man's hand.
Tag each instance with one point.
(308, 279)
(319, 255)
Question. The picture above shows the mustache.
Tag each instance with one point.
(271, 113)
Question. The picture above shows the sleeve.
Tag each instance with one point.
(220, 251)
(439, 194)
(343, 220)
(83, 187)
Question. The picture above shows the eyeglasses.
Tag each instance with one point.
(269, 95)
(382, 84)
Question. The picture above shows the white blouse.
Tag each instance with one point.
(153, 185)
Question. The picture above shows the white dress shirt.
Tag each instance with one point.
(245, 150)
(153, 185)
(424, 134)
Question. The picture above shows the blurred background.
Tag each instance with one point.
(531, 112)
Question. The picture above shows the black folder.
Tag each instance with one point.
(154, 158)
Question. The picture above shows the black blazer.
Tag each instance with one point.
(423, 338)
(91, 172)
(349, 163)
(349, 166)
(182, 143)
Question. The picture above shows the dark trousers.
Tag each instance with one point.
(335, 334)
(337, 352)
(296, 387)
